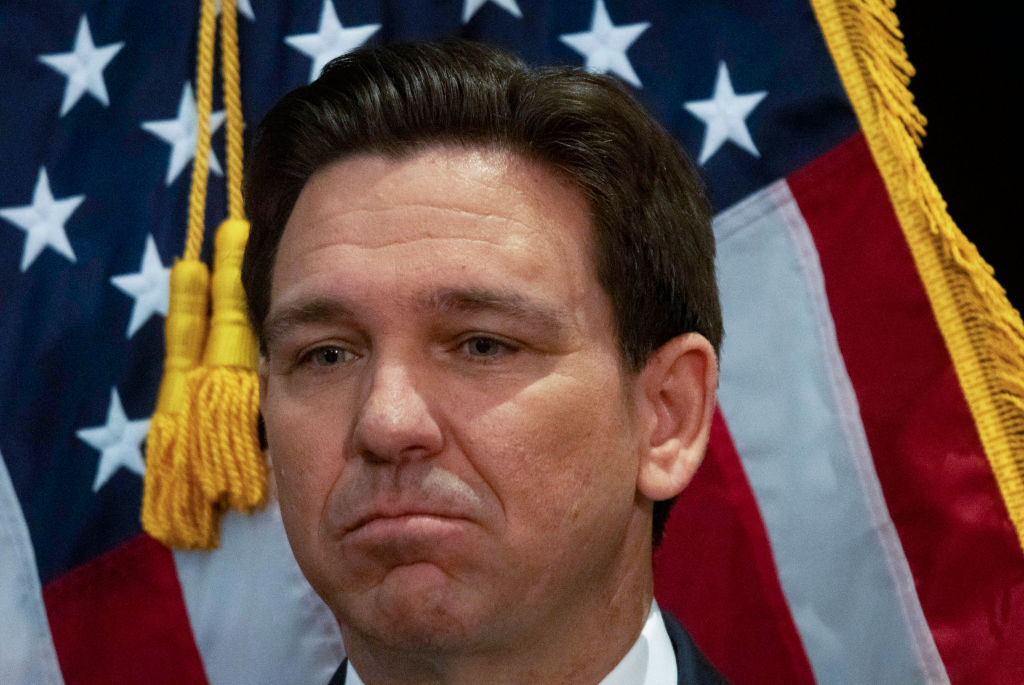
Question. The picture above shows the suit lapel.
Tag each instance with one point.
(694, 668)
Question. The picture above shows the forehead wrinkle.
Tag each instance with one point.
(361, 232)
(396, 241)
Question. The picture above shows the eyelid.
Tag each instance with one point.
(305, 357)
(509, 345)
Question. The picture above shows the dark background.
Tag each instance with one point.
(966, 85)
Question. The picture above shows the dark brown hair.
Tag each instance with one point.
(654, 250)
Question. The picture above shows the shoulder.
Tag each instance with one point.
(694, 667)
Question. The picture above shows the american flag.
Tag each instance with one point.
(847, 525)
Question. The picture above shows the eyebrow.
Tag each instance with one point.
(553, 323)
(505, 303)
(313, 311)
(319, 310)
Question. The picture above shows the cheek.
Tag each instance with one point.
(552, 452)
(306, 455)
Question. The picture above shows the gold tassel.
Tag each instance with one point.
(222, 443)
(169, 511)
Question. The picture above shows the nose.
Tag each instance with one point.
(396, 420)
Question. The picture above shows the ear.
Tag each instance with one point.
(676, 396)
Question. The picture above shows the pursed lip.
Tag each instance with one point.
(393, 514)
(432, 500)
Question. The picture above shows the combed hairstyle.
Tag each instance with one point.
(652, 241)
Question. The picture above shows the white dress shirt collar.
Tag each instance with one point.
(651, 660)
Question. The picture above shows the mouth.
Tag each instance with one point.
(408, 535)
(438, 504)
(408, 519)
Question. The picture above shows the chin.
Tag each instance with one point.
(416, 607)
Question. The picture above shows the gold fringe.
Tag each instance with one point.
(982, 330)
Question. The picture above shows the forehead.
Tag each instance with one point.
(488, 182)
(439, 210)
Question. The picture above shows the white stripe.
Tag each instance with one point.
(795, 421)
(254, 616)
(27, 654)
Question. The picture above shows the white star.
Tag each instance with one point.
(83, 67)
(43, 221)
(149, 287)
(118, 441)
(470, 7)
(180, 133)
(605, 44)
(244, 8)
(330, 40)
(725, 116)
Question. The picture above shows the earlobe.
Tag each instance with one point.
(676, 392)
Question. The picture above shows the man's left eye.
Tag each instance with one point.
(481, 346)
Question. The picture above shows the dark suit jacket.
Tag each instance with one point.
(694, 668)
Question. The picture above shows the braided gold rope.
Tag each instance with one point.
(232, 106)
(983, 332)
(204, 106)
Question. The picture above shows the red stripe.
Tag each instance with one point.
(714, 570)
(964, 555)
(121, 618)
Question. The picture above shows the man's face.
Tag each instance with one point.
(452, 434)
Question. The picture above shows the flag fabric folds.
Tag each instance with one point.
(860, 514)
